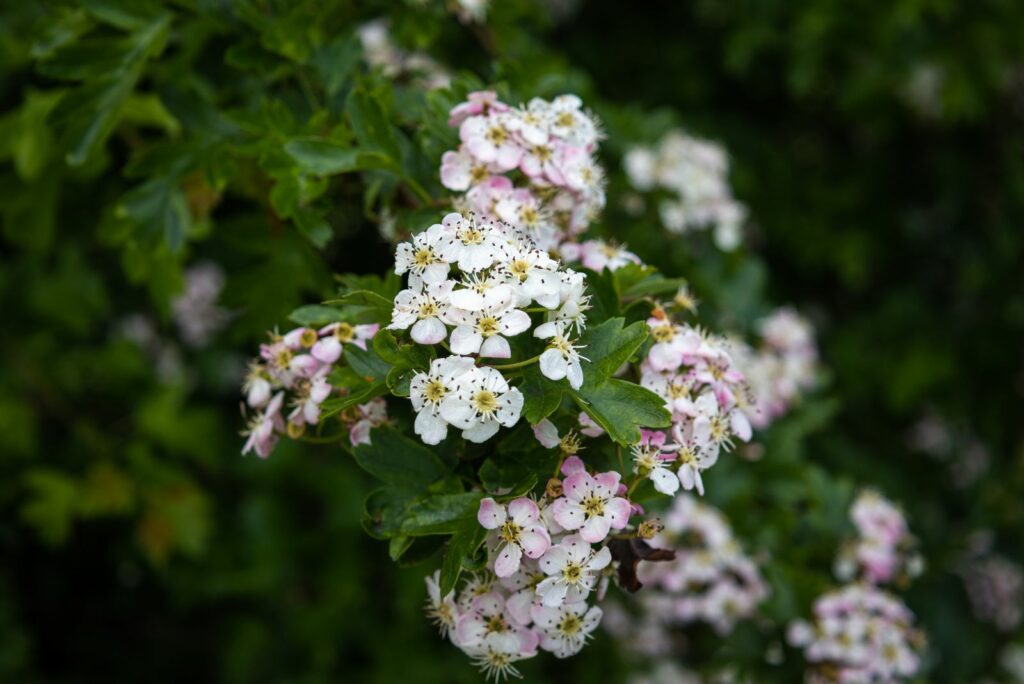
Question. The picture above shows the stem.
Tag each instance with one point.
(418, 190)
(519, 364)
(330, 439)
(629, 492)
(445, 346)
(536, 309)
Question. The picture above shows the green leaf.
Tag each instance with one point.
(462, 549)
(400, 356)
(398, 460)
(441, 514)
(608, 346)
(326, 157)
(366, 363)
(622, 408)
(541, 397)
(370, 123)
(53, 504)
(316, 315)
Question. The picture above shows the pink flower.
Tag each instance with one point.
(489, 139)
(460, 170)
(590, 505)
(372, 414)
(488, 616)
(264, 428)
(478, 102)
(333, 336)
(518, 531)
(546, 433)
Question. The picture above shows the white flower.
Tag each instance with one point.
(460, 170)
(574, 301)
(482, 400)
(482, 292)
(422, 258)
(518, 532)
(428, 390)
(651, 461)
(424, 311)
(572, 570)
(489, 139)
(566, 628)
(561, 359)
(473, 246)
(442, 611)
(482, 332)
(534, 275)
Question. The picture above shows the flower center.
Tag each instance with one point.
(307, 338)
(488, 326)
(572, 573)
(510, 532)
(428, 309)
(571, 625)
(283, 358)
(542, 152)
(520, 268)
(435, 391)
(424, 257)
(565, 120)
(485, 402)
(593, 505)
(609, 251)
(345, 332)
(496, 623)
(497, 135)
(528, 215)
(479, 173)
(471, 236)
(678, 390)
(561, 344)
(663, 333)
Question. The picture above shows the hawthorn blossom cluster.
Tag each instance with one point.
(195, 310)
(995, 588)
(859, 633)
(707, 396)
(470, 284)
(884, 549)
(781, 368)
(547, 563)
(695, 172)
(533, 166)
(286, 387)
(380, 52)
(711, 580)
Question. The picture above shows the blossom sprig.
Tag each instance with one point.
(533, 167)
(884, 550)
(705, 392)
(473, 285)
(549, 562)
(859, 633)
(694, 174)
(287, 386)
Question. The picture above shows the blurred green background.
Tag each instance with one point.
(879, 147)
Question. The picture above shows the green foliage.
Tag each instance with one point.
(882, 163)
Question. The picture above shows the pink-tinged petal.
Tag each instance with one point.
(595, 529)
(518, 606)
(578, 485)
(554, 560)
(528, 642)
(491, 515)
(360, 433)
(741, 425)
(605, 484)
(617, 512)
(508, 560)
(326, 350)
(523, 511)
(428, 331)
(568, 514)
(545, 617)
(496, 347)
(545, 432)
(535, 541)
(686, 478)
(572, 465)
